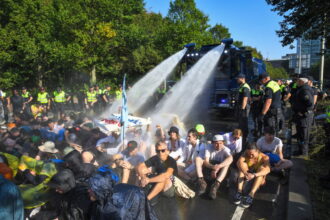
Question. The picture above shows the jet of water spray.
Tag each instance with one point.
(141, 91)
(183, 96)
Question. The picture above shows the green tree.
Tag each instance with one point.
(219, 32)
(302, 18)
(276, 73)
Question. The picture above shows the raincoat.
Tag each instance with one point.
(118, 202)
(11, 204)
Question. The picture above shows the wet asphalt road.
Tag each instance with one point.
(269, 202)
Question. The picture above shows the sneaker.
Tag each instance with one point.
(247, 201)
(214, 189)
(237, 198)
(201, 186)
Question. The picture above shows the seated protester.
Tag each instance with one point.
(272, 147)
(97, 156)
(233, 140)
(215, 166)
(11, 141)
(117, 201)
(111, 143)
(52, 132)
(174, 142)
(69, 200)
(163, 168)
(126, 161)
(5, 170)
(74, 162)
(252, 165)
(188, 155)
(11, 203)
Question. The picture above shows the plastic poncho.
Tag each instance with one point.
(13, 162)
(118, 202)
(11, 204)
(36, 196)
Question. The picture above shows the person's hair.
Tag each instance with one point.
(73, 161)
(237, 132)
(159, 143)
(49, 121)
(193, 132)
(252, 146)
(269, 130)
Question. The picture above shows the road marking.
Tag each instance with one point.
(238, 213)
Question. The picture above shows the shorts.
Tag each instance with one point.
(169, 192)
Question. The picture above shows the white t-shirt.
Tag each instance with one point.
(178, 144)
(235, 146)
(189, 153)
(219, 155)
(272, 147)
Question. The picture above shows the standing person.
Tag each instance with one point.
(303, 111)
(4, 100)
(108, 96)
(43, 99)
(315, 93)
(91, 99)
(16, 102)
(256, 107)
(252, 166)
(271, 109)
(99, 97)
(284, 94)
(27, 102)
(244, 94)
(60, 98)
(119, 93)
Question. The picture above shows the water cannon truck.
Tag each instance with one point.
(234, 60)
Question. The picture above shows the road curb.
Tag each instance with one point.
(299, 204)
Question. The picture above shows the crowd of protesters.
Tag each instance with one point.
(66, 167)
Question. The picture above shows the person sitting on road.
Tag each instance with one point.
(233, 140)
(188, 155)
(272, 147)
(252, 165)
(127, 161)
(164, 168)
(215, 166)
(174, 141)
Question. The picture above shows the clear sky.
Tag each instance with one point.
(250, 21)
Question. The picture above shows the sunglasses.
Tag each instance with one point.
(158, 151)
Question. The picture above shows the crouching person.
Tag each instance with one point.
(215, 166)
(160, 176)
(252, 166)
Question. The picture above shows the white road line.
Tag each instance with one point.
(238, 213)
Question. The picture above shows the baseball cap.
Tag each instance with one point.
(131, 145)
(218, 137)
(200, 129)
(241, 75)
(263, 75)
(310, 78)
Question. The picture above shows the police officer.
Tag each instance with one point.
(4, 101)
(27, 102)
(244, 94)
(119, 93)
(284, 94)
(271, 109)
(315, 93)
(99, 97)
(91, 99)
(43, 99)
(108, 96)
(256, 107)
(60, 98)
(302, 108)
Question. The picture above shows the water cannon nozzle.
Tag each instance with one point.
(227, 41)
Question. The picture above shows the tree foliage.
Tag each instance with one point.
(65, 42)
(302, 18)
